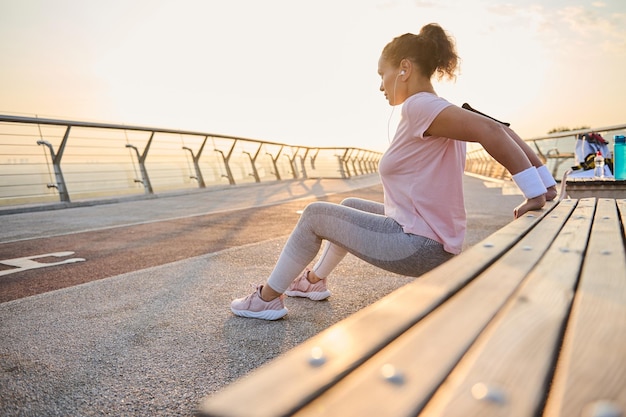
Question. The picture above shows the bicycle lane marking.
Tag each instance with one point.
(28, 262)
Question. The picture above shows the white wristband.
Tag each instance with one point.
(546, 177)
(530, 183)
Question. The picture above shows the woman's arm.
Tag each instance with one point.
(456, 123)
(459, 124)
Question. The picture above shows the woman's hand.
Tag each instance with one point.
(535, 203)
(552, 193)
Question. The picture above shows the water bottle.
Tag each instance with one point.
(619, 158)
(598, 162)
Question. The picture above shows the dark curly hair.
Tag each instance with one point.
(431, 50)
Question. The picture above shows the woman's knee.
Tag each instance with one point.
(314, 208)
(364, 205)
(351, 202)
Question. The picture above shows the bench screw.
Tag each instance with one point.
(391, 374)
(527, 248)
(317, 357)
(606, 252)
(602, 409)
(490, 393)
(488, 245)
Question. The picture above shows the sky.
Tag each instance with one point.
(304, 72)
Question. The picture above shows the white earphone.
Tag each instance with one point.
(393, 105)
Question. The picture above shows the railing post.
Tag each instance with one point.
(292, 163)
(314, 157)
(226, 159)
(303, 162)
(145, 179)
(56, 163)
(343, 162)
(375, 159)
(355, 162)
(353, 159)
(360, 162)
(196, 162)
(196, 166)
(371, 167)
(255, 173)
(274, 160)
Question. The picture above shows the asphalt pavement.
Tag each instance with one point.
(157, 337)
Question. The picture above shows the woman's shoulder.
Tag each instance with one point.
(425, 97)
(425, 103)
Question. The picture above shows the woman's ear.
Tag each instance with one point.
(405, 66)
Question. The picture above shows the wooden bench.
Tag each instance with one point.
(529, 322)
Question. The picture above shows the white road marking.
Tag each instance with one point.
(28, 262)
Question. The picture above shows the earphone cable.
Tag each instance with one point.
(393, 107)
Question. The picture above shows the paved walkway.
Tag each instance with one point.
(154, 341)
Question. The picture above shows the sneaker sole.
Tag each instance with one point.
(315, 296)
(265, 314)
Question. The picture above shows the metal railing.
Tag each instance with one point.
(48, 160)
(556, 150)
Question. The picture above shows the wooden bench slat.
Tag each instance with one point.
(592, 367)
(621, 205)
(507, 370)
(424, 355)
(346, 345)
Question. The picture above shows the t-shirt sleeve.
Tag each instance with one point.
(420, 111)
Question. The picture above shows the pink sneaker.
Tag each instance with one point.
(254, 306)
(301, 287)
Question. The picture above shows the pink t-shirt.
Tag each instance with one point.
(422, 176)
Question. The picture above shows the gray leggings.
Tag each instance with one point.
(359, 227)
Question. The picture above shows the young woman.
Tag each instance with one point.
(422, 221)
